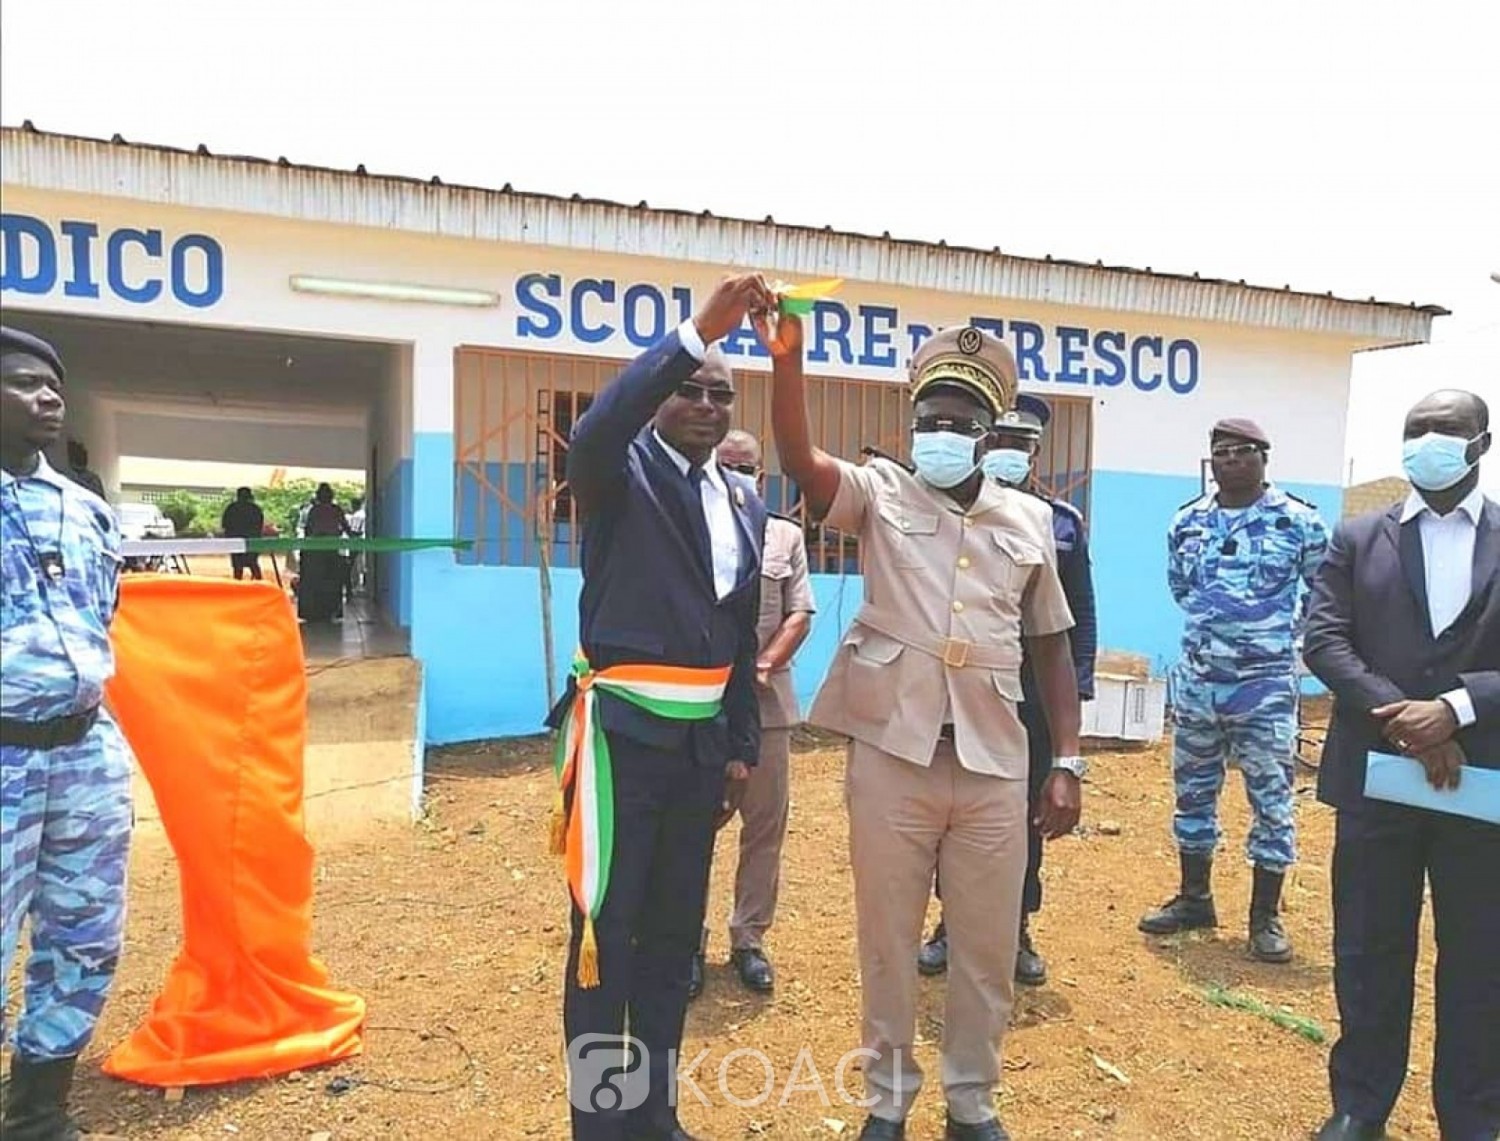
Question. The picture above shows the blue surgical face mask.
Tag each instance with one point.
(1435, 462)
(943, 459)
(1008, 465)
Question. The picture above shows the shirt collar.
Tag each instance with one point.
(1268, 498)
(683, 464)
(1471, 505)
(44, 472)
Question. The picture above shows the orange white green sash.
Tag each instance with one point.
(583, 825)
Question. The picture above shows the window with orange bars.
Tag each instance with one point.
(513, 412)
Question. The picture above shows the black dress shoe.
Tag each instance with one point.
(879, 1129)
(932, 959)
(990, 1130)
(695, 976)
(754, 969)
(1342, 1127)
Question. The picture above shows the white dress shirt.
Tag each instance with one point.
(723, 530)
(1448, 561)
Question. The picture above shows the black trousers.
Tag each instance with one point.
(1382, 854)
(1038, 768)
(647, 932)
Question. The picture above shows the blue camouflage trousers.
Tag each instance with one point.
(65, 823)
(1255, 721)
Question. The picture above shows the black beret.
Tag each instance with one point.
(16, 341)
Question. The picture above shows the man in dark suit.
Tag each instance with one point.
(1404, 628)
(667, 617)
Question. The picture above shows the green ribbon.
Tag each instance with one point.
(340, 543)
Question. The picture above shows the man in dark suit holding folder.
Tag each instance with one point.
(1404, 628)
(661, 722)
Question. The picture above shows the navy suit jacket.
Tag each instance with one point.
(1370, 641)
(648, 587)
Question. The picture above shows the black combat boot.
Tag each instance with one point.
(1268, 941)
(932, 959)
(1192, 907)
(1031, 968)
(36, 1101)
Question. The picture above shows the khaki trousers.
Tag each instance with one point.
(763, 819)
(763, 816)
(905, 822)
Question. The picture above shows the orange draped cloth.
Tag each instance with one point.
(211, 692)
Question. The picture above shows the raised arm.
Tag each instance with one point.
(813, 470)
(601, 438)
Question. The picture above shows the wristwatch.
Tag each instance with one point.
(1075, 765)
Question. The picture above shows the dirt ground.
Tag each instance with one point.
(454, 932)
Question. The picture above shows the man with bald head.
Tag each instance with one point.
(660, 726)
(1404, 628)
(786, 610)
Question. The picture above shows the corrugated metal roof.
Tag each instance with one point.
(245, 184)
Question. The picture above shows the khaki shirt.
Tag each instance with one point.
(948, 593)
(785, 589)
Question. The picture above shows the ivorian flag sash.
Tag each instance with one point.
(583, 823)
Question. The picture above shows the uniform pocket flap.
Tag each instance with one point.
(1020, 550)
(909, 522)
(1007, 684)
(873, 648)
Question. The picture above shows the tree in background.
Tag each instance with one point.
(197, 516)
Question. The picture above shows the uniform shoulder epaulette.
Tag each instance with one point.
(1193, 502)
(784, 518)
(877, 454)
(1298, 499)
(1066, 508)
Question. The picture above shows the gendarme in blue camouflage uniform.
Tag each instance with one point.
(1240, 562)
(65, 814)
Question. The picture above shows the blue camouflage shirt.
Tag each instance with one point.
(1242, 578)
(58, 586)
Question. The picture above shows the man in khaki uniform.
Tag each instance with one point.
(957, 570)
(786, 610)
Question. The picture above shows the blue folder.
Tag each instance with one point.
(1402, 780)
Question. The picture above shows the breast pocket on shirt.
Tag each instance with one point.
(1018, 560)
(775, 574)
(20, 591)
(1276, 559)
(93, 583)
(902, 532)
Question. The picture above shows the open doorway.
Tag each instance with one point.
(176, 422)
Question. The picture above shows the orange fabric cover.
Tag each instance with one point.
(211, 691)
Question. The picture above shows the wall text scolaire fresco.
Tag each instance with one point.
(601, 310)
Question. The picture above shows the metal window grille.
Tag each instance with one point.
(514, 411)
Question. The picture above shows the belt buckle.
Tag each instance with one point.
(956, 653)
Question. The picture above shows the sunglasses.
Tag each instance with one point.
(1233, 451)
(743, 469)
(962, 425)
(693, 393)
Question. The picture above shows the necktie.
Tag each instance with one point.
(698, 519)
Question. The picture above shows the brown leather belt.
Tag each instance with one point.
(53, 734)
